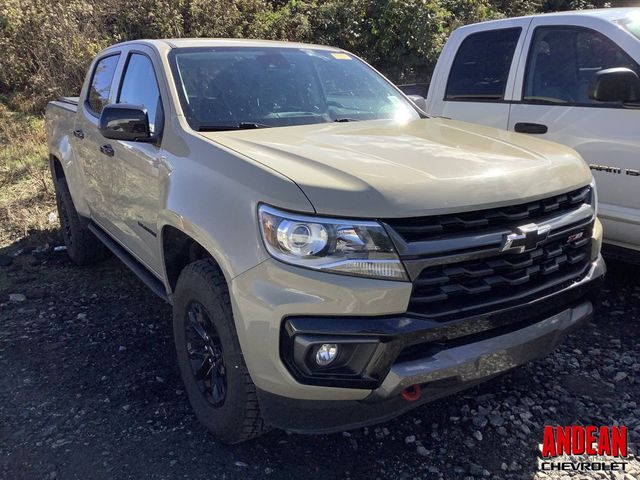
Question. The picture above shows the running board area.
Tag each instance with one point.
(149, 279)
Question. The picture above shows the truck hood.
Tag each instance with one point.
(386, 169)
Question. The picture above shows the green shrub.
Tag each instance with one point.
(47, 45)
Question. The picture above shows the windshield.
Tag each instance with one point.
(245, 87)
(632, 23)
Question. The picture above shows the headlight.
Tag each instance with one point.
(350, 247)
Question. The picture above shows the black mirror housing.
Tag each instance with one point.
(615, 85)
(122, 121)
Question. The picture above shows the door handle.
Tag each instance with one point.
(534, 128)
(107, 150)
(78, 134)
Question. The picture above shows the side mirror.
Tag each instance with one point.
(121, 121)
(419, 101)
(615, 85)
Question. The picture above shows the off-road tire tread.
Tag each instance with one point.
(86, 248)
(252, 424)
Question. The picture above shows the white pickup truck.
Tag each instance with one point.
(567, 77)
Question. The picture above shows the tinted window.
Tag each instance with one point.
(563, 60)
(481, 67)
(140, 87)
(100, 87)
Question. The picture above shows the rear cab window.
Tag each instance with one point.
(481, 66)
(100, 86)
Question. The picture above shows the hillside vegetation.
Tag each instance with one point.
(26, 193)
(47, 46)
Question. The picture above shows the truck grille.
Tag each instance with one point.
(459, 268)
(445, 292)
(436, 227)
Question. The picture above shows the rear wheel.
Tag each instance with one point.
(215, 376)
(82, 246)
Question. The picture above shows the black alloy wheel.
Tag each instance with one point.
(205, 355)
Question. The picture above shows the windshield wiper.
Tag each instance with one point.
(346, 119)
(237, 126)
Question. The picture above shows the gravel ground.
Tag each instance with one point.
(89, 389)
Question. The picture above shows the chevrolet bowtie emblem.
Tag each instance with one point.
(526, 237)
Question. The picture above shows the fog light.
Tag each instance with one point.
(326, 354)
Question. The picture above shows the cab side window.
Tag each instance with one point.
(100, 87)
(481, 67)
(140, 87)
(563, 60)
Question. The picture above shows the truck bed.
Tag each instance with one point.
(59, 119)
(70, 100)
(67, 103)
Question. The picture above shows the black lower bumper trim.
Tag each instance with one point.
(330, 416)
(394, 339)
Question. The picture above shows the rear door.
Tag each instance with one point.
(87, 140)
(551, 100)
(474, 78)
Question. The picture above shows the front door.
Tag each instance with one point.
(136, 165)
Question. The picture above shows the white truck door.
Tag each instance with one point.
(551, 99)
(473, 80)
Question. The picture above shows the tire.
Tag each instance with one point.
(203, 327)
(83, 247)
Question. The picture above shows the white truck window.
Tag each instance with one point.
(140, 87)
(563, 60)
(100, 87)
(631, 23)
(481, 66)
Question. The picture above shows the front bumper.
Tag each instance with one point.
(388, 354)
(441, 358)
(485, 358)
(445, 373)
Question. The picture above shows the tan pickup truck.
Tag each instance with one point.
(333, 256)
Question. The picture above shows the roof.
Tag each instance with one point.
(606, 14)
(224, 42)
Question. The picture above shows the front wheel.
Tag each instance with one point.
(213, 371)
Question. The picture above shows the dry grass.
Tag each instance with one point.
(26, 190)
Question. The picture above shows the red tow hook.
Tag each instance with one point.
(412, 393)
